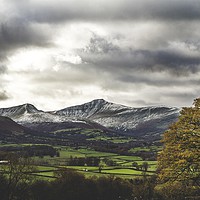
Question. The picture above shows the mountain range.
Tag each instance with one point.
(145, 122)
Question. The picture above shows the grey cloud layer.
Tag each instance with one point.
(3, 95)
(16, 34)
(146, 44)
(104, 54)
(90, 10)
(27, 26)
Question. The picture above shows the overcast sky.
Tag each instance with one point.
(57, 53)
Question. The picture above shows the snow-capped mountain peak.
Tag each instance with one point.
(146, 121)
(91, 109)
(29, 108)
(19, 110)
(83, 110)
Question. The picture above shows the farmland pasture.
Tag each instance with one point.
(47, 165)
(94, 171)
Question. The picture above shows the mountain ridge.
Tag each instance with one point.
(124, 118)
(18, 110)
(142, 121)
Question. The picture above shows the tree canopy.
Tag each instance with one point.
(179, 161)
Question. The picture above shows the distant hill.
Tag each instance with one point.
(145, 122)
(28, 113)
(8, 125)
(10, 131)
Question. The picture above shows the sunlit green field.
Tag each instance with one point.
(93, 171)
(47, 166)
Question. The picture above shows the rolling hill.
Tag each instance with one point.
(10, 131)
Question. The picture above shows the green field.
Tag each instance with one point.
(46, 166)
(123, 169)
(93, 171)
(146, 149)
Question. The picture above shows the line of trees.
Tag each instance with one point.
(18, 182)
(144, 166)
(31, 150)
(81, 161)
(15, 178)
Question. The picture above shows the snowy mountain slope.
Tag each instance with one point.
(144, 121)
(91, 109)
(122, 118)
(29, 116)
(18, 111)
(28, 113)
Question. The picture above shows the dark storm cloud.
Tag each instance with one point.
(193, 44)
(90, 10)
(15, 34)
(158, 48)
(150, 80)
(104, 55)
(22, 28)
(3, 95)
(20, 34)
(99, 45)
(16, 31)
(183, 97)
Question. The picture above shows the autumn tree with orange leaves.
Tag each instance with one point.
(179, 161)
